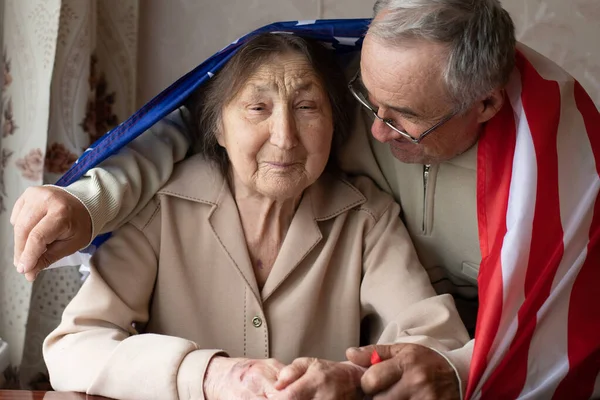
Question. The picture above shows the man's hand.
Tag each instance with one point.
(311, 378)
(241, 378)
(49, 224)
(406, 371)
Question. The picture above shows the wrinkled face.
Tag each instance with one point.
(278, 129)
(405, 84)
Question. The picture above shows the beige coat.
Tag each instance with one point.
(180, 272)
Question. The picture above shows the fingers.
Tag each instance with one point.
(362, 355)
(382, 376)
(275, 364)
(414, 387)
(16, 210)
(301, 389)
(398, 391)
(413, 372)
(30, 276)
(55, 252)
(45, 232)
(292, 372)
(269, 379)
(320, 379)
(24, 224)
(50, 223)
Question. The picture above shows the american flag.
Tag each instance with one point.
(538, 328)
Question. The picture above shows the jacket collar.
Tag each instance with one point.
(198, 180)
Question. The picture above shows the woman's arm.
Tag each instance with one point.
(96, 348)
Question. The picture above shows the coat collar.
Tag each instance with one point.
(200, 181)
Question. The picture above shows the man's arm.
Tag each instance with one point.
(51, 223)
(124, 183)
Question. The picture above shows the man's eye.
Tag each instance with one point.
(391, 122)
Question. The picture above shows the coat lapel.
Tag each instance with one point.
(197, 180)
(302, 236)
(327, 198)
(227, 228)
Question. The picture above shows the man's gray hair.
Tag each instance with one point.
(479, 34)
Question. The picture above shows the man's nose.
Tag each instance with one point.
(284, 133)
(382, 132)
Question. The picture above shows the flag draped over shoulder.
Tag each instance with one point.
(538, 328)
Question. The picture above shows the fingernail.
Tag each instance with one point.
(20, 268)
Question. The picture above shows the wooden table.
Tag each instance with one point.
(36, 395)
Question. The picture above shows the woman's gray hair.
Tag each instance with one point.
(207, 102)
(479, 34)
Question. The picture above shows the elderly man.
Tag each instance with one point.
(489, 149)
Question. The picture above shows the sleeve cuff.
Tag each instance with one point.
(81, 196)
(190, 378)
(101, 206)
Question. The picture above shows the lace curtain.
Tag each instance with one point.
(69, 75)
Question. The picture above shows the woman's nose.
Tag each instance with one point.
(284, 133)
(382, 132)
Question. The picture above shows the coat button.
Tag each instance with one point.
(257, 322)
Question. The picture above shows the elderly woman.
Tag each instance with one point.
(257, 252)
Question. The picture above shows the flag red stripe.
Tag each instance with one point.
(546, 248)
(584, 311)
(495, 153)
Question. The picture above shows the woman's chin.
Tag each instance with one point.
(283, 187)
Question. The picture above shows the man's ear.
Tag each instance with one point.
(490, 105)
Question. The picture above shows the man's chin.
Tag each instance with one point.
(407, 152)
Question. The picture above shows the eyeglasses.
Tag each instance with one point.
(359, 91)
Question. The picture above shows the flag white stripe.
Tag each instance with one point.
(548, 361)
(519, 223)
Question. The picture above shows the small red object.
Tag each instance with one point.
(375, 359)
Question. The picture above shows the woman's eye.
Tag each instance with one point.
(306, 106)
(257, 107)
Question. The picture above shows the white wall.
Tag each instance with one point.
(176, 35)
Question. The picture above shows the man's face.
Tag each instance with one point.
(405, 85)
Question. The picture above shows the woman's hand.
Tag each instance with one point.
(241, 378)
(312, 378)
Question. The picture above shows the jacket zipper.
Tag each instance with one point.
(426, 169)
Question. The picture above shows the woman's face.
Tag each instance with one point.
(278, 129)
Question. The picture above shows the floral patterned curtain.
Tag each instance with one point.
(69, 75)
